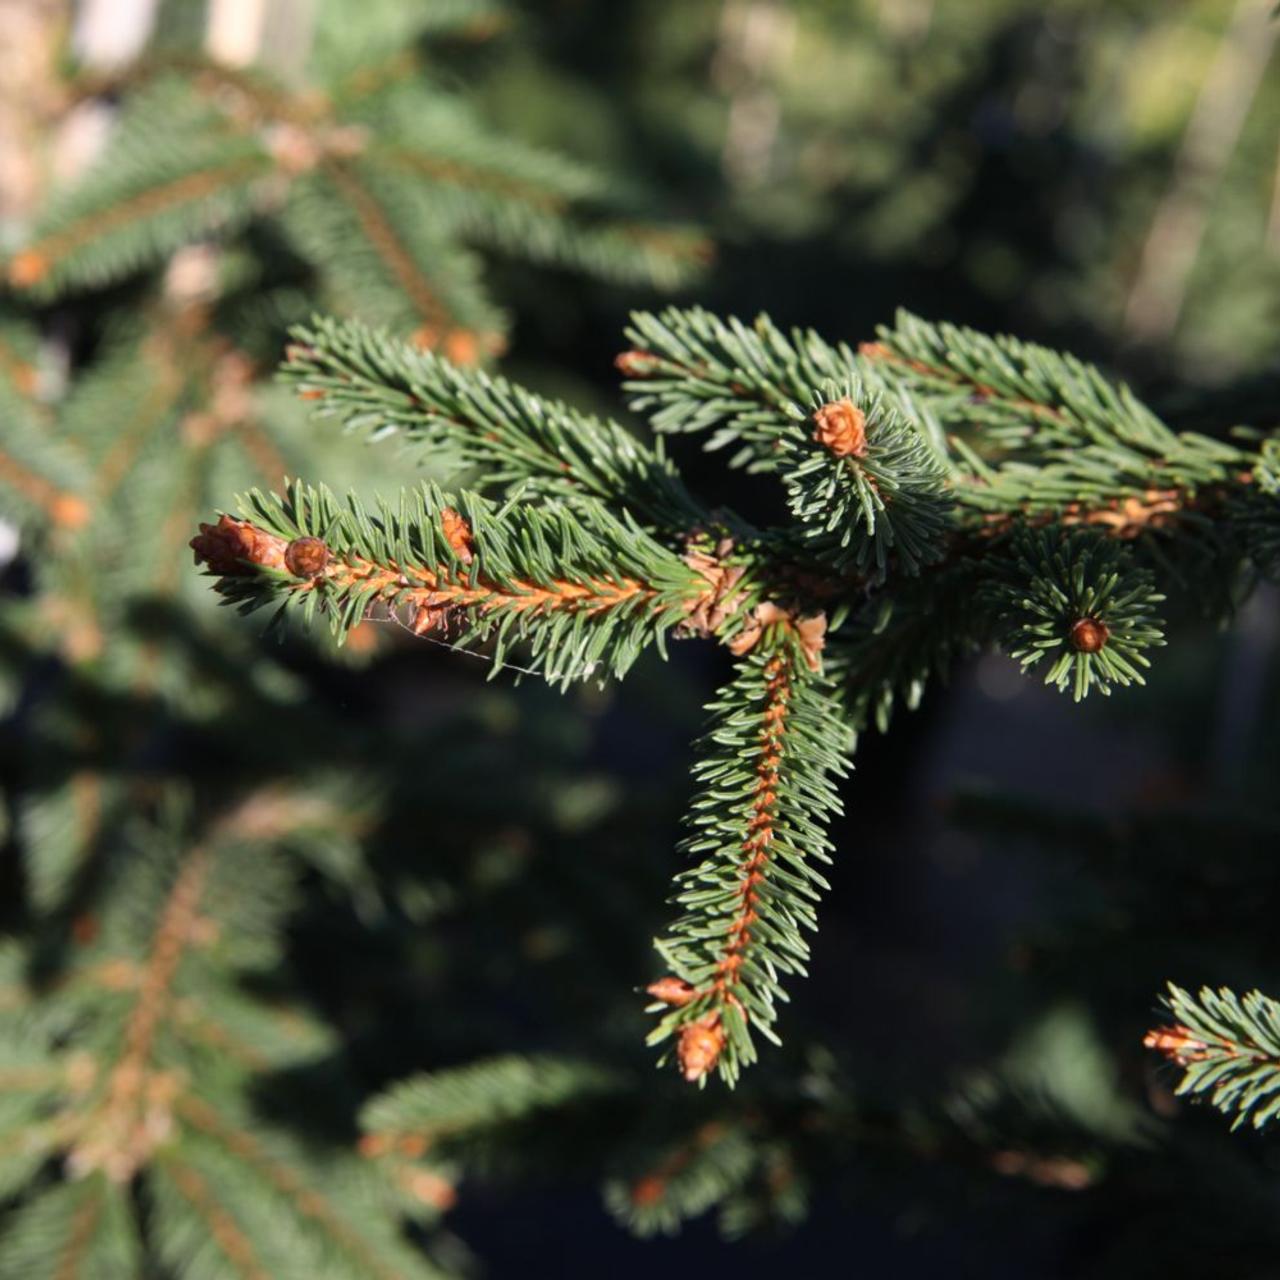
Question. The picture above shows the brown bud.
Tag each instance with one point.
(1177, 1043)
(1089, 635)
(671, 991)
(874, 351)
(430, 1188)
(69, 511)
(457, 533)
(841, 427)
(648, 1190)
(635, 364)
(225, 545)
(306, 557)
(462, 347)
(27, 268)
(812, 633)
(699, 1047)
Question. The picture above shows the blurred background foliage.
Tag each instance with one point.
(963, 1083)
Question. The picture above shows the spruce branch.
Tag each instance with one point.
(868, 490)
(374, 384)
(463, 1101)
(587, 589)
(749, 385)
(1039, 431)
(131, 1065)
(174, 172)
(1089, 611)
(703, 1170)
(379, 183)
(909, 547)
(767, 778)
(396, 262)
(1228, 1048)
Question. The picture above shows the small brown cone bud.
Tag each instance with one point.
(635, 364)
(430, 1188)
(223, 547)
(306, 557)
(1089, 635)
(699, 1047)
(1177, 1043)
(841, 427)
(648, 1191)
(27, 268)
(69, 511)
(671, 991)
(457, 533)
(462, 347)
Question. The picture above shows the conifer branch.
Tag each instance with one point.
(1042, 431)
(372, 383)
(1228, 1048)
(588, 590)
(767, 789)
(1016, 499)
(306, 1200)
(402, 266)
(95, 242)
(752, 386)
(459, 1101)
(236, 1247)
(1090, 611)
(119, 1136)
(695, 1174)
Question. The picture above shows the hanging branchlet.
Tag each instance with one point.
(767, 779)
(1080, 604)
(1228, 1049)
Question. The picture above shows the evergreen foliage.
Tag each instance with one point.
(1056, 546)
(125, 1066)
(1228, 1047)
(252, 890)
(380, 159)
(162, 796)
